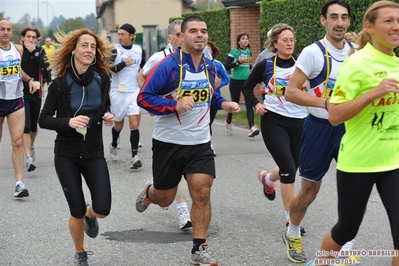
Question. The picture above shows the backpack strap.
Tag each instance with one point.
(325, 71)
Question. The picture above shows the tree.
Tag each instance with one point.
(90, 22)
(203, 6)
(72, 24)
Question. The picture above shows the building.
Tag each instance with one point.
(147, 16)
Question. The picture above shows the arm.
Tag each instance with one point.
(25, 77)
(142, 58)
(341, 112)
(141, 78)
(118, 67)
(231, 62)
(40, 58)
(159, 82)
(46, 118)
(256, 76)
(222, 74)
(294, 91)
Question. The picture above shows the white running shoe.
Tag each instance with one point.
(135, 162)
(184, 218)
(253, 131)
(113, 152)
(229, 128)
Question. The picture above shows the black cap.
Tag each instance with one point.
(128, 27)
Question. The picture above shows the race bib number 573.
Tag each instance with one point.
(10, 69)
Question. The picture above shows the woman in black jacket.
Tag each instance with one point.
(79, 98)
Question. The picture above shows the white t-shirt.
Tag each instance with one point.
(155, 59)
(126, 79)
(275, 100)
(311, 62)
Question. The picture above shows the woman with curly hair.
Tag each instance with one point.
(79, 99)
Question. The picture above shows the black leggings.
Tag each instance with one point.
(282, 137)
(96, 175)
(235, 92)
(32, 111)
(354, 190)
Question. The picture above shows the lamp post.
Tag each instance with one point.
(52, 11)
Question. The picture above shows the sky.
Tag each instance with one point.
(15, 9)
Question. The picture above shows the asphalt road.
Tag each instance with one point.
(246, 228)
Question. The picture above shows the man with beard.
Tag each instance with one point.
(319, 64)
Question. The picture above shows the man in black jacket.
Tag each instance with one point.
(33, 60)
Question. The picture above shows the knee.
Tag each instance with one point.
(287, 177)
(17, 143)
(305, 199)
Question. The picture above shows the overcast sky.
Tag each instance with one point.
(15, 9)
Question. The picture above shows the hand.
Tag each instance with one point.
(30, 46)
(260, 109)
(385, 87)
(231, 107)
(108, 119)
(129, 61)
(32, 86)
(185, 103)
(79, 121)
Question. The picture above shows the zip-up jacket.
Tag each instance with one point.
(68, 141)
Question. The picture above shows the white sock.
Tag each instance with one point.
(19, 182)
(348, 245)
(268, 181)
(287, 216)
(182, 205)
(294, 230)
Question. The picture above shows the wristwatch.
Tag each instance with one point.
(31, 79)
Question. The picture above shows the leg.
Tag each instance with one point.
(386, 187)
(134, 122)
(181, 203)
(301, 202)
(200, 191)
(16, 123)
(235, 91)
(351, 207)
(1, 126)
(69, 175)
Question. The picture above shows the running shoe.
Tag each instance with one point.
(29, 164)
(293, 245)
(21, 191)
(135, 162)
(91, 225)
(81, 258)
(113, 152)
(268, 190)
(184, 218)
(253, 131)
(202, 257)
(229, 128)
(142, 202)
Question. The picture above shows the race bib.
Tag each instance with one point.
(10, 70)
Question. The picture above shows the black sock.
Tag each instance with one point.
(134, 141)
(115, 136)
(196, 243)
